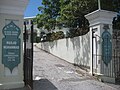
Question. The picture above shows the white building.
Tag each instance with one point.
(38, 30)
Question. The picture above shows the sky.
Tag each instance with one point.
(32, 8)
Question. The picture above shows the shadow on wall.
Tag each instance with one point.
(47, 46)
(74, 50)
(81, 46)
(43, 84)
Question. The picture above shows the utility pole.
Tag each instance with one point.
(99, 5)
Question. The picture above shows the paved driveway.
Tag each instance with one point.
(52, 73)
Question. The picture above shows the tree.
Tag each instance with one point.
(73, 11)
(49, 13)
(70, 13)
(112, 5)
(116, 22)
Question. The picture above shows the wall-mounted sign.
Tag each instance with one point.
(106, 47)
(11, 46)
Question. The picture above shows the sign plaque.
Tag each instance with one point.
(11, 46)
(106, 47)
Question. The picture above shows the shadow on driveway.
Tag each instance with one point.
(43, 84)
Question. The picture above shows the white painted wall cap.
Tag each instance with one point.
(29, 17)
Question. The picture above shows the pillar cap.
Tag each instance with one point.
(100, 17)
(15, 7)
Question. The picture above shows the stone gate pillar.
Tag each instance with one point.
(11, 43)
(100, 27)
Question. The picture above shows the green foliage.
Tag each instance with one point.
(34, 37)
(73, 11)
(116, 22)
(50, 11)
(55, 36)
(112, 5)
(76, 32)
(58, 35)
(70, 13)
(37, 39)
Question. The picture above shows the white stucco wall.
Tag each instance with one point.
(74, 50)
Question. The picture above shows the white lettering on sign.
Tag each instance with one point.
(11, 33)
(11, 55)
(11, 47)
(11, 42)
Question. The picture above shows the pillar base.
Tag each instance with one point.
(107, 79)
(11, 85)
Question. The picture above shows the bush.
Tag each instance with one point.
(55, 36)
(34, 37)
(74, 32)
(37, 39)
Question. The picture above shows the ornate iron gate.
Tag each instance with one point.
(28, 55)
(116, 48)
